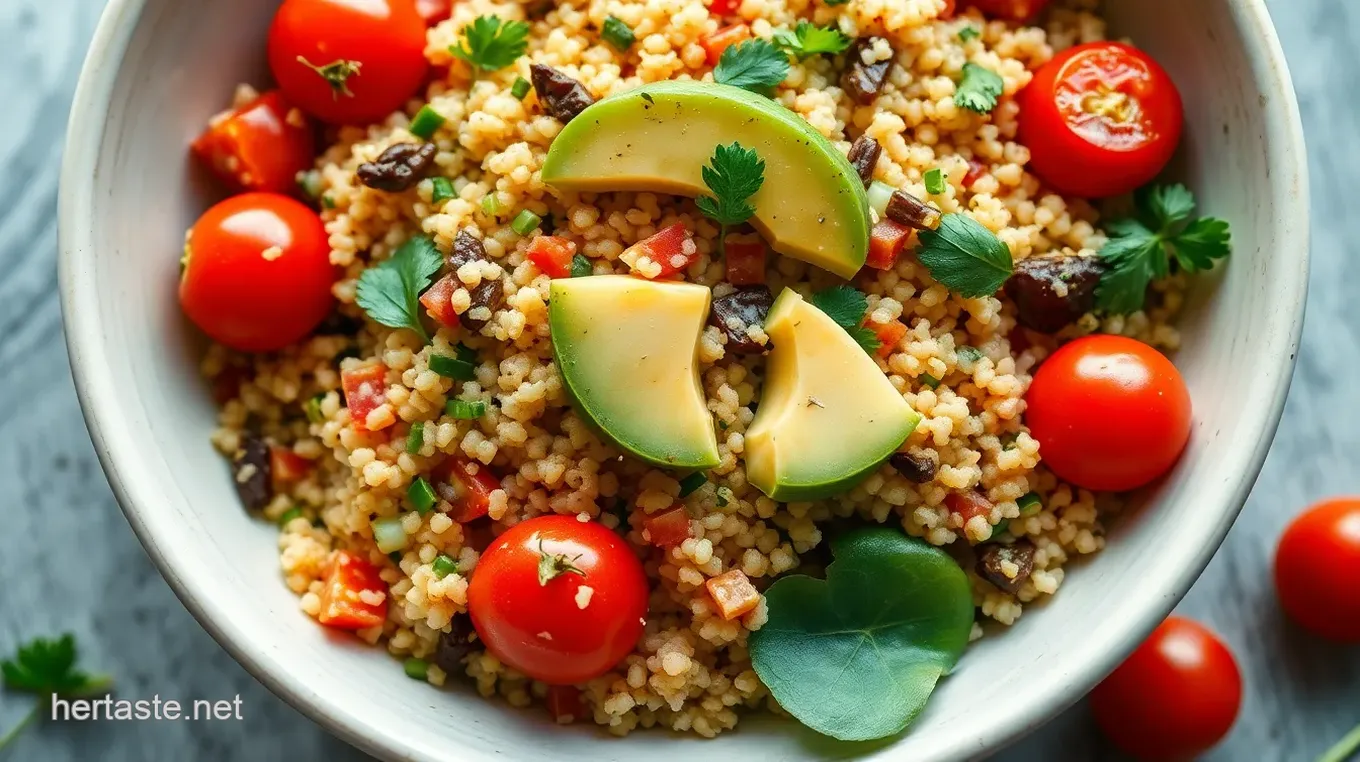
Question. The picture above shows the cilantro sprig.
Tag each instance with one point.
(965, 256)
(390, 292)
(846, 306)
(734, 175)
(46, 667)
(979, 88)
(491, 43)
(807, 40)
(754, 65)
(1141, 248)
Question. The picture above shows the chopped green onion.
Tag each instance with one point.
(525, 222)
(691, 483)
(425, 123)
(443, 566)
(969, 33)
(969, 354)
(421, 495)
(491, 204)
(1003, 526)
(466, 353)
(441, 190)
(452, 367)
(580, 266)
(617, 33)
(935, 181)
(879, 195)
(389, 534)
(1029, 504)
(416, 669)
(520, 88)
(930, 380)
(725, 496)
(289, 515)
(312, 407)
(465, 411)
(327, 201)
(416, 439)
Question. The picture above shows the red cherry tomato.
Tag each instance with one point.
(1110, 413)
(1316, 566)
(1013, 10)
(1174, 697)
(348, 61)
(260, 146)
(434, 11)
(535, 621)
(1100, 119)
(257, 272)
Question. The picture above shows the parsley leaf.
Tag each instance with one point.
(753, 65)
(969, 33)
(965, 256)
(47, 666)
(580, 266)
(734, 174)
(390, 292)
(846, 306)
(808, 39)
(491, 43)
(979, 88)
(1140, 249)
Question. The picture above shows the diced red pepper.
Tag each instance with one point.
(1011, 10)
(365, 391)
(745, 261)
(733, 593)
(714, 44)
(260, 146)
(467, 486)
(565, 704)
(968, 505)
(671, 248)
(286, 466)
(435, 11)
(976, 170)
(341, 604)
(888, 335)
(553, 255)
(886, 242)
(438, 301)
(670, 527)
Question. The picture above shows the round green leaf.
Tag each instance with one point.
(856, 656)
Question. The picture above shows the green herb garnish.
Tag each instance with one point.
(808, 39)
(618, 34)
(46, 667)
(452, 367)
(421, 495)
(390, 291)
(288, 515)
(443, 566)
(520, 88)
(929, 380)
(969, 354)
(525, 222)
(465, 353)
(725, 496)
(979, 88)
(969, 33)
(463, 410)
(1029, 504)
(492, 44)
(965, 256)
(416, 669)
(441, 190)
(580, 266)
(692, 483)
(753, 65)
(845, 305)
(312, 408)
(415, 439)
(1003, 526)
(491, 205)
(426, 122)
(734, 174)
(935, 184)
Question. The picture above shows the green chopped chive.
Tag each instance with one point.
(935, 181)
(312, 407)
(491, 204)
(465, 411)
(970, 354)
(289, 515)
(327, 201)
(520, 88)
(969, 33)
(1029, 504)
(1003, 526)
(425, 123)
(617, 33)
(580, 266)
(930, 380)
(421, 495)
(452, 367)
(525, 222)
(443, 566)
(466, 353)
(389, 534)
(416, 439)
(691, 483)
(442, 190)
(416, 669)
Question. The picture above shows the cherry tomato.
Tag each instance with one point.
(348, 61)
(1100, 119)
(529, 600)
(1174, 697)
(434, 11)
(1110, 413)
(260, 146)
(1315, 568)
(257, 272)
(1013, 10)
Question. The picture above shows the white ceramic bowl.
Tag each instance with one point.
(159, 68)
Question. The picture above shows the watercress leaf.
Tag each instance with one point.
(965, 256)
(856, 656)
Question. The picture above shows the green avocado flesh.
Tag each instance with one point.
(827, 415)
(625, 348)
(812, 205)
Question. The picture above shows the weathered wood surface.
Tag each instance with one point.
(69, 561)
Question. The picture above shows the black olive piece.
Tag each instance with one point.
(562, 97)
(735, 313)
(992, 554)
(252, 472)
(864, 81)
(864, 153)
(906, 209)
(1052, 292)
(916, 469)
(398, 168)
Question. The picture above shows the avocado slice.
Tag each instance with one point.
(625, 349)
(827, 415)
(658, 137)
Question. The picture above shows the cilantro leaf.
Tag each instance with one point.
(734, 174)
(1164, 205)
(865, 338)
(492, 44)
(1200, 243)
(390, 291)
(979, 88)
(753, 65)
(580, 266)
(808, 39)
(965, 256)
(845, 305)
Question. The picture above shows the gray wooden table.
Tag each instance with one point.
(69, 562)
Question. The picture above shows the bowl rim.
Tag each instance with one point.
(87, 125)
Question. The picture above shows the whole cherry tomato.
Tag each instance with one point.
(558, 599)
(1316, 566)
(1012, 10)
(257, 272)
(348, 61)
(1100, 119)
(1174, 697)
(260, 146)
(1110, 413)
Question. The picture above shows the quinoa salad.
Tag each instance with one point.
(635, 360)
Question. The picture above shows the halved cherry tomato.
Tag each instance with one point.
(1110, 413)
(349, 581)
(745, 257)
(530, 603)
(1011, 10)
(1174, 697)
(670, 527)
(261, 146)
(714, 44)
(552, 254)
(888, 335)
(348, 62)
(886, 241)
(671, 248)
(565, 704)
(438, 300)
(968, 505)
(1316, 566)
(467, 486)
(365, 391)
(1100, 119)
(286, 466)
(434, 11)
(257, 272)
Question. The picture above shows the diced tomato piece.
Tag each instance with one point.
(968, 505)
(438, 301)
(553, 255)
(1011, 10)
(888, 335)
(745, 260)
(286, 466)
(886, 242)
(365, 391)
(565, 704)
(976, 170)
(260, 146)
(467, 486)
(733, 593)
(435, 11)
(342, 606)
(670, 527)
(726, 37)
(672, 249)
